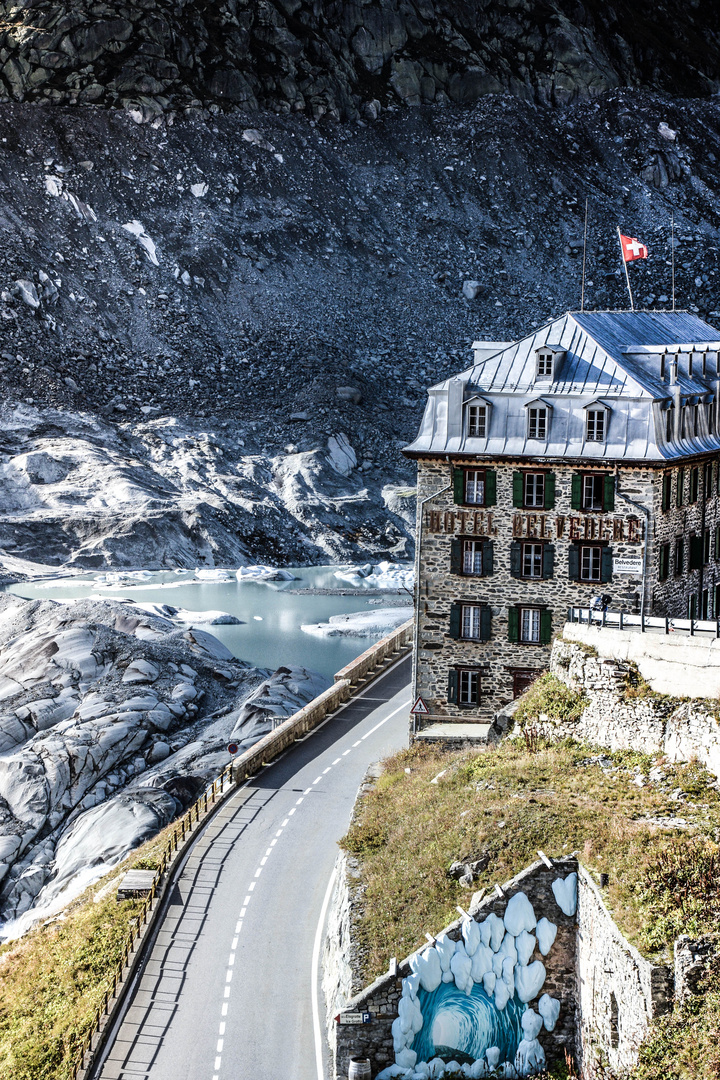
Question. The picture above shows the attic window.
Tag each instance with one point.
(477, 421)
(595, 425)
(544, 368)
(537, 422)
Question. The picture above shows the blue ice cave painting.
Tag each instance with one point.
(466, 1006)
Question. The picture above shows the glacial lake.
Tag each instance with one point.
(271, 612)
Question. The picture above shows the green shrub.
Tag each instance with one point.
(551, 696)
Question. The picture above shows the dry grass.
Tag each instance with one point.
(505, 804)
(53, 979)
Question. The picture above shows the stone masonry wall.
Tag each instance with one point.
(619, 992)
(655, 724)
(374, 1040)
(438, 588)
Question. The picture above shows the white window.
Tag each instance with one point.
(544, 365)
(469, 687)
(477, 421)
(537, 422)
(472, 557)
(590, 559)
(471, 621)
(529, 624)
(534, 494)
(592, 492)
(475, 486)
(595, 425)
(532, 560)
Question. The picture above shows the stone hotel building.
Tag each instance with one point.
(578, 462)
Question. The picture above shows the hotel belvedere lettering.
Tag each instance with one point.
(537, 526)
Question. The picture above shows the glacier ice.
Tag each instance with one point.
(529, 980)
(525, 945)
(549, 1009)
(565, 891)
(546, 934)
(519, 915)
(531, 1024)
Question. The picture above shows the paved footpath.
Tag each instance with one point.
(230, 989)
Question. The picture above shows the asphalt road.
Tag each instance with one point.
(230, 989)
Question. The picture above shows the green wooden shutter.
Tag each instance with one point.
(513, 624)
(485, 623)
(574, 562)
(666, 483)
(679, 493)
(545, 627)
(609, 492)
(664, 562)
(459, 486)
(487, 558)
(606, 565)
(515, 559)
(490, 487)
(576, 491)
(452, 694)
(518, 490)
(696, 552)
(456, 557)
(455, 614)
(548, 560)
(694, 480)
(549, 491)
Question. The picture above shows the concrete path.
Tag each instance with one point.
(230, 989)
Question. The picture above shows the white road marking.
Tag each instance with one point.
(238, 928)
(327, 770)
(314, 976)
(262, 862)
(356, 743)
(234, 944)
(389, 717)
(300, 800)
(307, 791)
(258, 872)
(227, 992)
(222, 1028)
(346, 752)
(291, 812)
(246, 901)
(231, 959)
(317, 779)
(228, 976)
(285, 822)
(224, 1009)
(252, 885)
(272, 844)
(220, 1046)
(217, 1062)
(337, 759)
(243, 910)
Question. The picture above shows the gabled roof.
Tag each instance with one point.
(611, 355)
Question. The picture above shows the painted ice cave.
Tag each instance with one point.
(475, 1007)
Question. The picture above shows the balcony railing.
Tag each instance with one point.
(645, 624)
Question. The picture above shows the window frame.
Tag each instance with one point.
(679, 556)
(598, 480)
(541, 476)
(664, 555)
(472, 675)
(466, 481)
(544, 358)
(477, 545)
(535, 558)
(602, 413)
(481, 411)
(532, 610)
(538, 415)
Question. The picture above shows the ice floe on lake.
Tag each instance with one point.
(384, 575)
(374, 623)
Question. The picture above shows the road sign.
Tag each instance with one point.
(628, 564)
(420, 708)
(354, 1018)
(233, 748)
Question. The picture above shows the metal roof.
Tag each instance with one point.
(613, 355)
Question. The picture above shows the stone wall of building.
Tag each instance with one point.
(654, 724)
(619, 991)
(440, 520)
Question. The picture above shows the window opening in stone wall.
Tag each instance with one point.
(592, 495)
(534, 493)
(707, 480)
(522, 681)
(530, 624)
(717, 542)
(532, 560)
(477, 421)
(706, 546)
(705, 606)
(537, 423)
(472, 557)
(679, 555)
(595, 425)
(679, 490)
(614, 1022)
(694, 484)
(470, 621)
(590, 562)
(468, 686)
(666, 491)
(475, 486)
(664, 563)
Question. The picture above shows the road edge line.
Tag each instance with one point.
(315, 978)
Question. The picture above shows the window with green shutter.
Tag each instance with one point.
(516, 559)
(513, 624)
(455, 617)
(518, 490)
(485, 623)
(548, 560)
(490, 487)
(456, 556)
(549, 491)
(487, 557)
(609, 493)
(574, 562)
(452, 693)
(696, 552)
(458, 476)
(666, 490)
(606, 565)
(545, 627)
(664, 563)
(576, 491)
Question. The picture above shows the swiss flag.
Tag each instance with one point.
(632, 249)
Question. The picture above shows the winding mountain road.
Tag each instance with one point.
(230, 988)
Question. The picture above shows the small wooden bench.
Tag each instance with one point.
(136, 883)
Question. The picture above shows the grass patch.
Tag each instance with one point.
(551, 696)
(497, 807)
(53, 980)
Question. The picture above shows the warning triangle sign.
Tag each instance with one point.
(420, 707)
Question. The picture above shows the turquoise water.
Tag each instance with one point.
(461, 1027)
(271, 615)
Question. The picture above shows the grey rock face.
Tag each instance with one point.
(92, 762)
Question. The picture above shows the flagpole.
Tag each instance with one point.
(582, 290)
(624, 262)
(672, 254)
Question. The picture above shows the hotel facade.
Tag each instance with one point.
(581, 462)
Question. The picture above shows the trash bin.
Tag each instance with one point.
(359, 1069)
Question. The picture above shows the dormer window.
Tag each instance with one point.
(477, 421)
(537, 422)
(597, 417)
(544, 368)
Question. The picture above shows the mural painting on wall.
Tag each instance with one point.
(475, 1007)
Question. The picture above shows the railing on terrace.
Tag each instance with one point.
(655, 624)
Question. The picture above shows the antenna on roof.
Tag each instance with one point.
(672, 254)
(582, 290)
